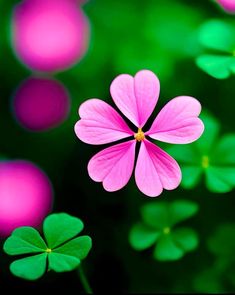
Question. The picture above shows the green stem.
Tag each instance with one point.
(84, 281)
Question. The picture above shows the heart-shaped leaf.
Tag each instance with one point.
(181, 210)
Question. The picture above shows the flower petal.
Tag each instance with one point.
(136, 97)
(100, 123)
(178, 121)
(155, 170)
(113, 166)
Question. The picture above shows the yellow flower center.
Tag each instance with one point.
(166, 230)
(139, 136)
(205, 162)
(48, 250)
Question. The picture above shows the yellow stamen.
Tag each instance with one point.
(166, 230)
(139, 136)
(205, 162)
(48, 250)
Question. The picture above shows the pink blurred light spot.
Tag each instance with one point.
(49, 35)
(26, 195)
(228, 5)
(41, 104)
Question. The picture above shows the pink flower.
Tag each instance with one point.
(136, 98)
(228, 5)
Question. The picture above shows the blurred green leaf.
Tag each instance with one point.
(181, 210)
(186, 238)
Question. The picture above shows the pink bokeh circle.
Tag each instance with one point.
(26, 195)
(228, 5)
(49, 35)
(40, 104)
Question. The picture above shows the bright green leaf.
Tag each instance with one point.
(30, 268)
(181, 210)
(217, 66)
(217, 35)
(78, 247)
(224, 151)
(62, 262)
(185, 154)
(60, 227)
(185, 238)
(142, 237)
(167, 249)
(24, 240)
(190, 176)
(155, 215)
(219, 179)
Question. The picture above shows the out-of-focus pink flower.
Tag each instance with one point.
(228, 5)
(25, 195)
(40, 104)
(136, 98)
(49, 35)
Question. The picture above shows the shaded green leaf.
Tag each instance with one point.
(24, 240)
(30, 268)
(60, 227)
(208, 281)
(220, 179)
(167, 249)
(185, 154)
(185, 238)
(155, 215)
(212, 127)
(224, 151)
(190, 176)
(62, 262)
(217, 66)
(222, 243)
(78, 247)
(181, 210)
(142, 237)
(217, 35)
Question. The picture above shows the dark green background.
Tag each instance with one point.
(126, 36)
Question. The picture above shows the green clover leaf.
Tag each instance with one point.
(210, 155)
(61, 248)
(157, 229)
(218, 40)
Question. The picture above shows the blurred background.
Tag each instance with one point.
(41, 88)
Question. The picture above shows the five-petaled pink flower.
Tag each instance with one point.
(136, 98)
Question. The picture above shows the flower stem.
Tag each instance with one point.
(84, 281)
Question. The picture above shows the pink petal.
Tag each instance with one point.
(178, 121)
(155, 170)
(113, 166)
(100, 123)
(136, 97)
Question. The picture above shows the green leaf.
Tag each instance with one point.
(181, 210)
(142, 237)
(185, 154)
(222, 243)
(155, 215)
(24, 240)
(190, 176)
(217, 66)
(62, 262)
(212, 127)
(217, 35)
(220, 179)
(60, 227)
(224, 151)
(185, 238)
(167, 249)
(78, 247)
(209, 282)
(30, 268)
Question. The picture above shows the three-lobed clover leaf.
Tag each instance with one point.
(210, 155)
(158, 227)
(218, 40)
(62, 251)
